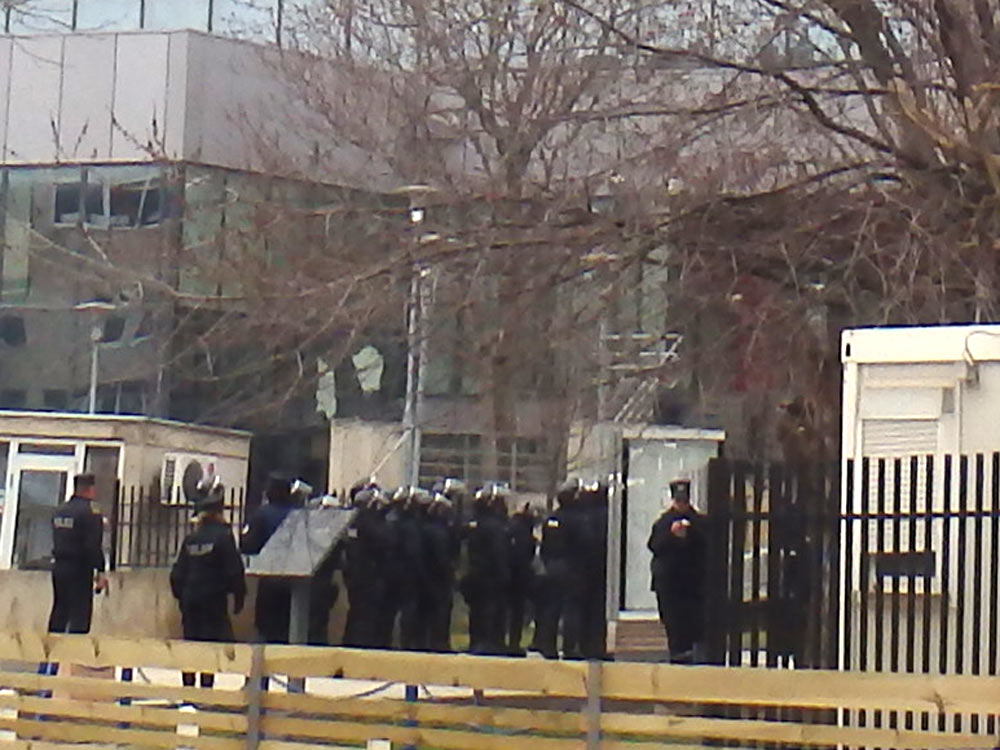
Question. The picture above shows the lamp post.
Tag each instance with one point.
(416, 331)
(97, 308)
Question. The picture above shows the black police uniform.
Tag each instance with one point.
(414, 579)
(577, 576)
(394, 576)
(77, 532)
(365, 553)
(486, 583)
(550, 586)
(678, 569)
(595, 560)
(272, 605)
(521, 530)
(441, 556)
(323, 593)
(208, 569)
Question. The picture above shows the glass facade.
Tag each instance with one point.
(158, 243)
(258, 20)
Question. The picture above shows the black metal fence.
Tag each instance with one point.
(146, 532)
(921, 580)
(772, 579)
(897, 569)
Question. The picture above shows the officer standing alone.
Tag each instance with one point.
(208, 569)
(78, 559)
(679, 549)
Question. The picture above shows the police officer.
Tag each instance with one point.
(394, 573)
(486, 582)
(274, 596)
(445, 532)
(556, 564)
(323, 590)
(441, 552)
(523, 545)
(208, 569)
(78, 559)
(414, 576)
(679, 549)
(594, 561)
(365, 557)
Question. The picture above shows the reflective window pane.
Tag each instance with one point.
(108, 15)
(39, 493)
(41, 15)
(167, 15)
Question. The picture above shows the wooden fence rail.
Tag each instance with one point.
(464, 702)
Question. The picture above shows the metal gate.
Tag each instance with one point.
(773, 576)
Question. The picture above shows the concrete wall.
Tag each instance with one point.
(139, 605)
(183, 95)
(359, 449)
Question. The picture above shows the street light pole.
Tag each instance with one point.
(95, 347)
(97, 308)
(416, 332)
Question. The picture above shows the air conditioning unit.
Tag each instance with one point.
(181, 473)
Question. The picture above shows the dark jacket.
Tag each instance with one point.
(522, 547)
(77, 534)
(208, 567)
(264, 522)
(439, 550)
(488, 550)
(678, 565)
(555, 551)
(366, 547)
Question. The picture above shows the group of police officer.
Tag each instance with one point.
(407, 551)
(404, 555)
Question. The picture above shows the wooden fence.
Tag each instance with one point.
(462, 702)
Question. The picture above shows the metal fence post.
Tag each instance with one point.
(411, 694)
(593, 707)
(253, 689)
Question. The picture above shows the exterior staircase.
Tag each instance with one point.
(639, 638)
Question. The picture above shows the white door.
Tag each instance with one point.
(652, 465)
(36, 485)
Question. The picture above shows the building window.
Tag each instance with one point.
(124, 397)
(13, 398)
(12, 331)
(55, 399)
(136, 204)
(114, 329)
(74, 198)
(450, 455)
(109, 204)
(522, 461)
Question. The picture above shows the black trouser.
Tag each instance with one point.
(594, 639)
(413, 620)
(575, 612)
(517, 604)
(205, 619)
(487, 606)
(72, 598)
(389, 603)
(683, 620)
(364, 599)
(322, 596)
(272, 610)
(549, 604)
(439, 603)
